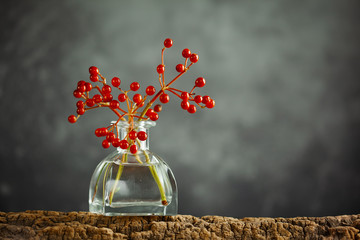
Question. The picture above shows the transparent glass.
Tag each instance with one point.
(133, 184)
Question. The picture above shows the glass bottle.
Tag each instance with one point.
(133, 184)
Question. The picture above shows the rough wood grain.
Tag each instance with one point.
(84, 225)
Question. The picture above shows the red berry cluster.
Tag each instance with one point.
(129, 102)
(112, 139)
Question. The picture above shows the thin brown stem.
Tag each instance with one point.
(192, 90)
(175, 89)
(160, 82)
(162, 62)
(150, 103)
(118, 114)
(163, 78)
(123, 110)
(98, 88)
(162, 56)
(89, 108)
(104, 79)
(176, 78)
(170, 90)
(138, 105)
(141, 118)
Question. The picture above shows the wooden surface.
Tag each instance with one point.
(84, 225)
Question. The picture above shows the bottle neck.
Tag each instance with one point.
(142, 145)
(124, 128)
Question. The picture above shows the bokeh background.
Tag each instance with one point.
(283, 139)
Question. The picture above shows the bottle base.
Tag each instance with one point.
(141, 210)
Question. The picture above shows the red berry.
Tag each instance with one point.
(105, 144)
(160, 68)
(168, 43)
(114, 104)
(194, 58)
(103, 132)
(150, 90)
(206, 99)
(98, 132)
(132, 135)
(211, 104)
(80, 111)
(115, 81)
(198, 99)
(88, 87)
(97, 98)
(124, 144)
(116, 142)
(154, 116)
(77, 94)
(80, 104)
(186, 53)
(185, 95)
(122, 97)
(106, 89)
(108, 97)
(81, 82)
(133, 149)
(149, 112)
(134, 86)
(164, 98)
(90, 102)
(81, 88)
(200, 82)
(192, 109)
(93, 70)
(110, 136)
(72, 119)
(142, 136)
(180, 68)
(94, 78)
(158, 108)
(137, 98)
(185, 105)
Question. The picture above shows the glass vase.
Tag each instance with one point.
(133, 184)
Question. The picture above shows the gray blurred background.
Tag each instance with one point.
(283, 139)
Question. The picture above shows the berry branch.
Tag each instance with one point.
(127, 107)
(105, 98)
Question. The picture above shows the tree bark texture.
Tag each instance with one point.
(85, 225)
